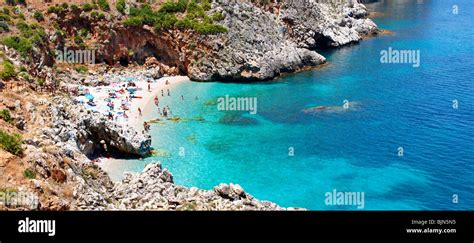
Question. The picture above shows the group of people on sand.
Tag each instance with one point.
(165, 111)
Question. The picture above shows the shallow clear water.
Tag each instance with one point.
(395, 105)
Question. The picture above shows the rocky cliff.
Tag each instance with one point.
(154, 189)
(264, 41)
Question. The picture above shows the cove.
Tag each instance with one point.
(350, 150)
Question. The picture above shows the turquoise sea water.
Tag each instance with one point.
(395, 105)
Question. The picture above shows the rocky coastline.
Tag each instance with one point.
(266, 41)
(263, 41)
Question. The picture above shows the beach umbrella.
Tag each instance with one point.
(89, 96)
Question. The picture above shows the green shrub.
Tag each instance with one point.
(65, 6)
(165, 21)
(4, 27)
(206, 5)
(74, 7)
(6, 11)
(81, 69)
(55, 9)
(95, 14)
(6, 116)
(11, 143)
(207, 28)
(172, 7)
(8, 70)
(25, 76)
(217, 16)
(40, 82)
(120, 6)
(38, 16)
(104, 5)
(185, 23)
(21, 44)
(78, 40)
(101, 16)
(4, 17)
(134, 21)
(88, 7)
(29, 174)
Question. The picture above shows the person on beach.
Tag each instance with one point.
(168, 92)
(182, 97)
(149, 87)
(125, 114)
(168, 109)
(145, 126)
(139, 111)
(166, 82)
(162, 95)
(157, 102)
(165, 112)
(159, 111)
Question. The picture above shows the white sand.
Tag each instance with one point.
(112, 166)
(101, 93)
(135, 119)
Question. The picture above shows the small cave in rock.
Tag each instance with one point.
(105, 150)
(123, 61)
(322, 42)
(163, 53)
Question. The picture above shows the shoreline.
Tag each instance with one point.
(109, 164)
(135, 120)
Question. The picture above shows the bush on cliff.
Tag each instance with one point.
(38, 16)
(29, 174)
(172, 7)
(104, 5)
(88, 7)
(165, 21)
(21, 44)
(11, 143)
(55, 9)
(6, 116)
(8, 70)
(133, 21)
(120, 6)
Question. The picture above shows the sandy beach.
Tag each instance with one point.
(127, 104)
(135, 119)
(143, 98)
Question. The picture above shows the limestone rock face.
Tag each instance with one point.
(90, 131)
(262, 42)
(153, 189)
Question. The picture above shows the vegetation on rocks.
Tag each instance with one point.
(6, 116)
(8, 70)
(11, 142)
(38, 16)
(166, 18)
(120, 6)
(29, 174)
